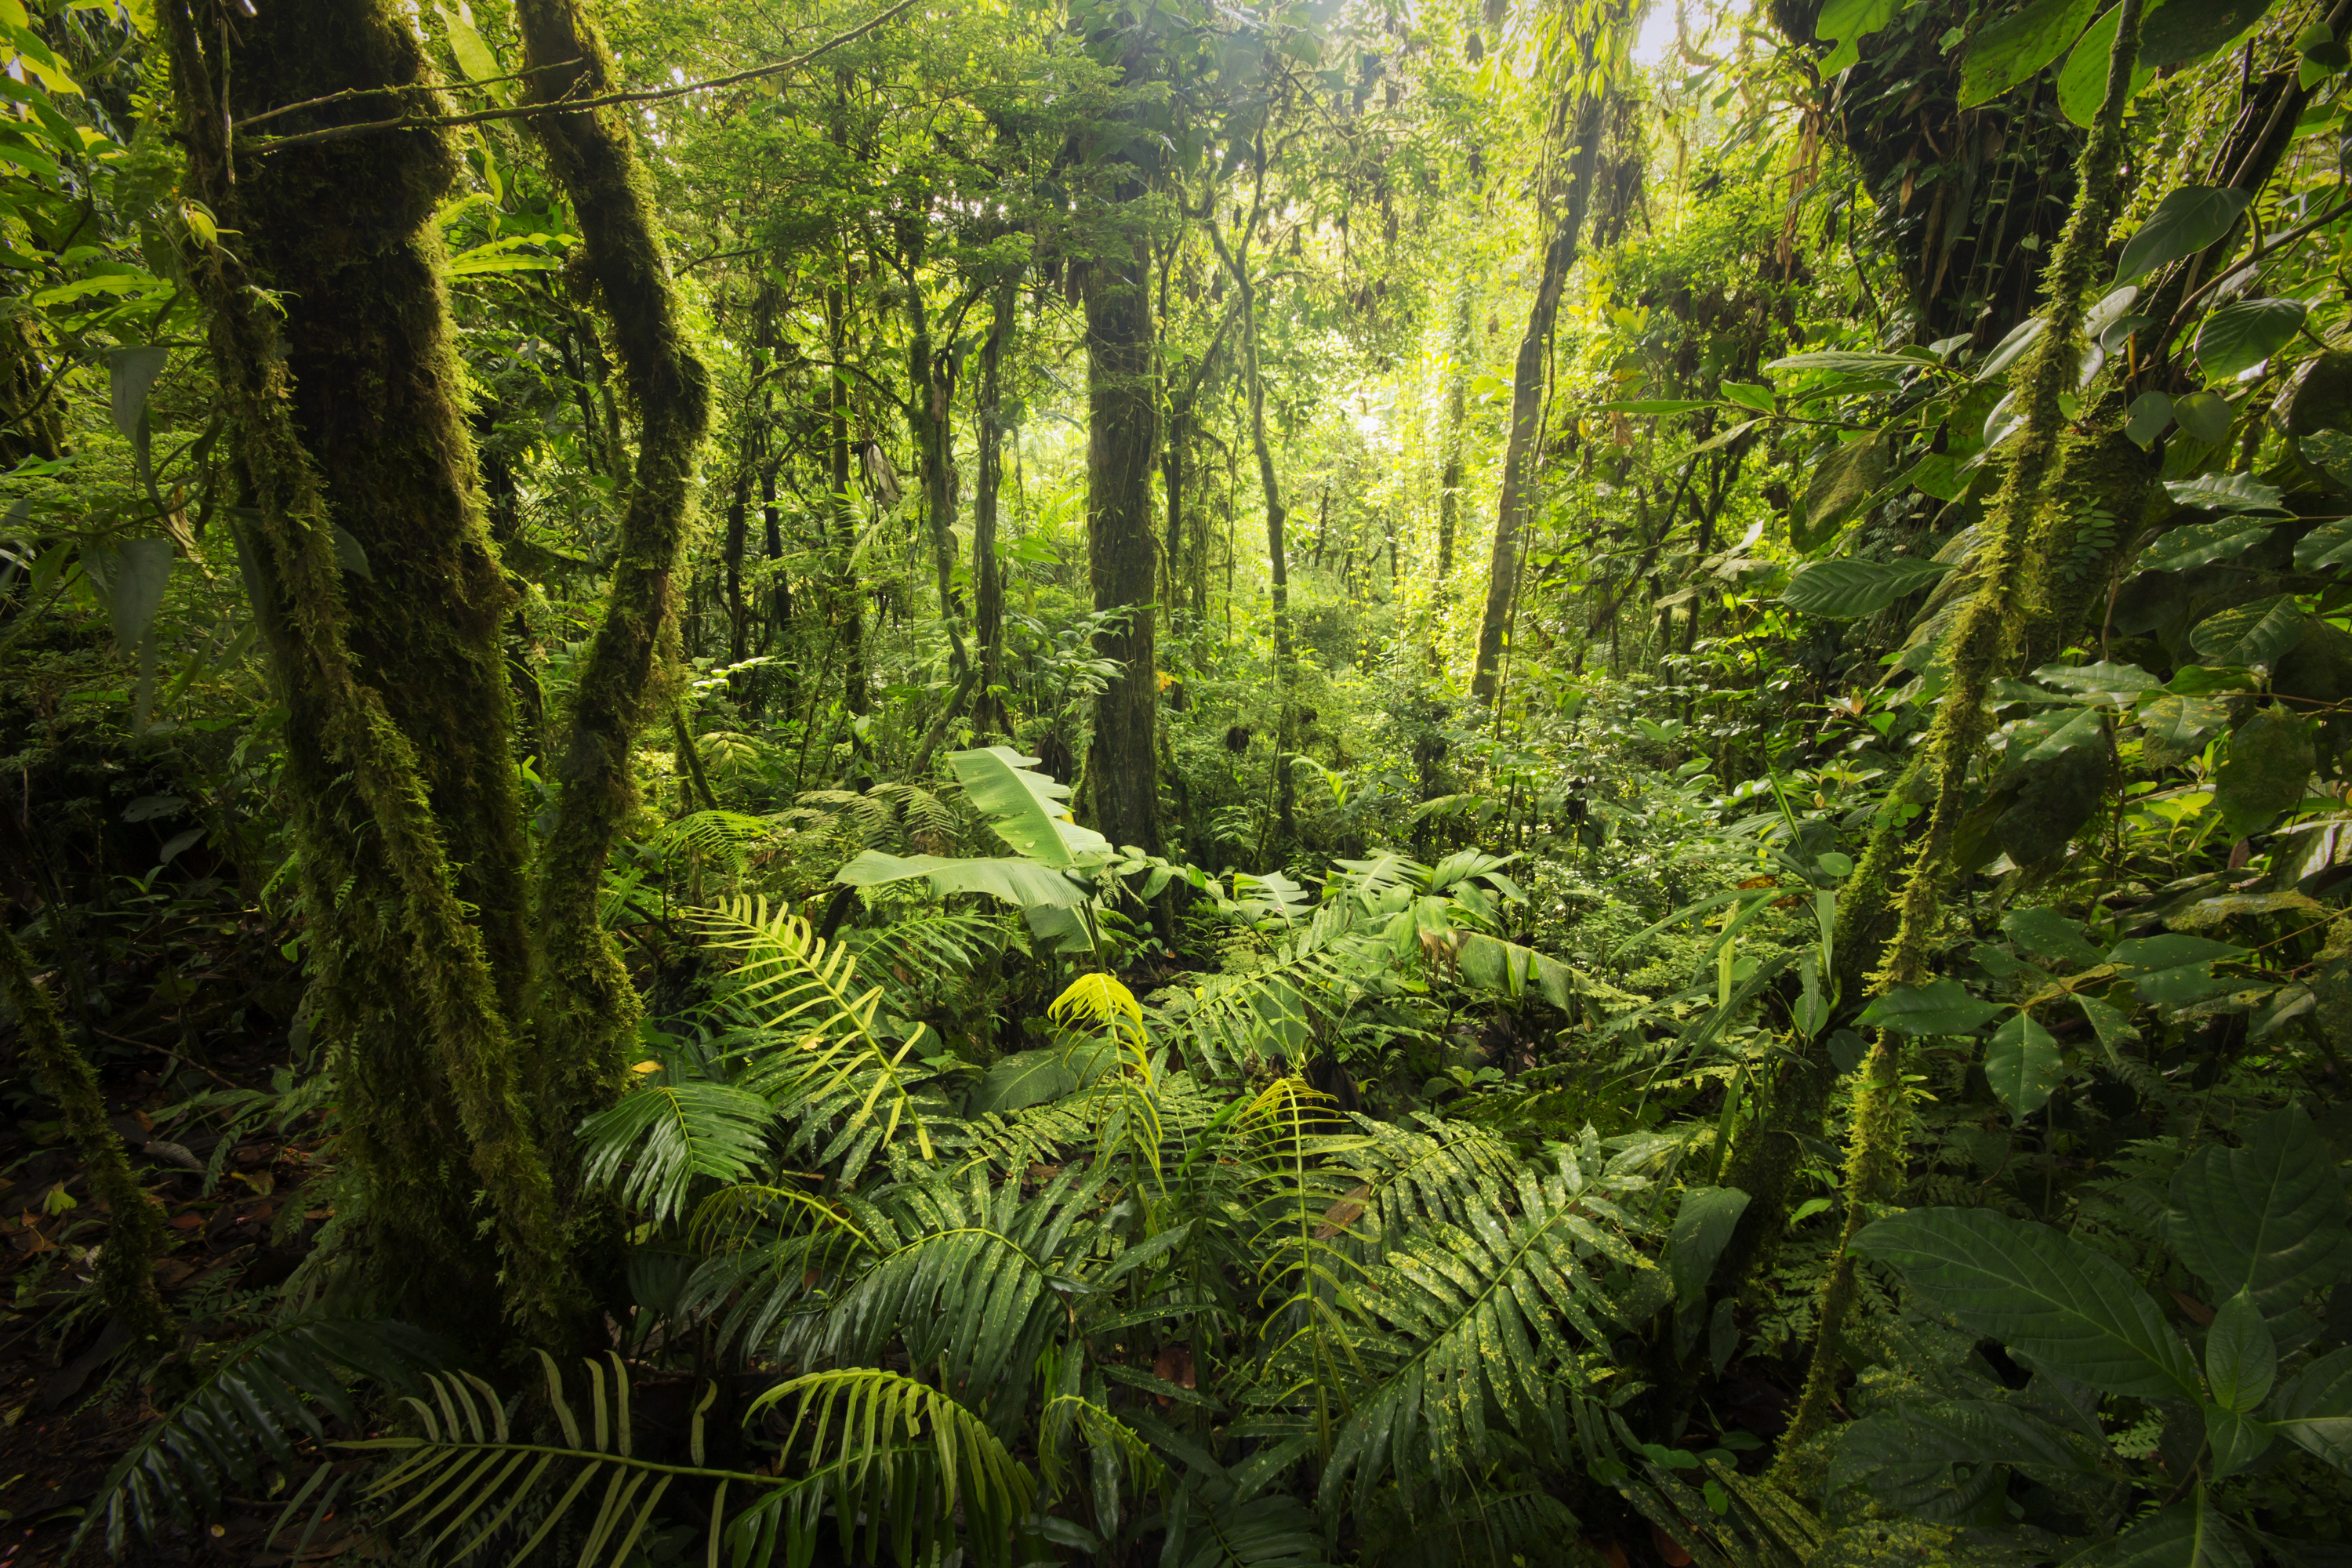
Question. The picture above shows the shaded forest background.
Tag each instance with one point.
(1545, 781)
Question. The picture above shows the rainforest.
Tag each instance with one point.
(1176, 784)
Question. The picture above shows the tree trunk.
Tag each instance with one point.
(1521, 456)
(342, 403)
(589, 1008)
(989, 717)
(738, 527)
(848, 598)
(1277, 553)
(930, 402)
(1123, 408)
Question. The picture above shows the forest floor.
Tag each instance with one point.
(70, 1404)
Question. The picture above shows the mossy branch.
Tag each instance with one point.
(588, 1005)
(134, 1230)
(1984, 644)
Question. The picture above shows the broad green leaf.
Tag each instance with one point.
(2038, 741)
(1939, 1007)
(2237, 1439)
(2189, 1534)
(130, 375)
(1032, 1078)
(2241, 1357)
(2112, 1028)
(1846, 23)
(2176, 32)
(2267, 1217)
(1703, 1227)
(2052, 1301)
(2171, 950)
(2329, 544)
(2206, 416)
(130, 576)
(2225, 492)
(1845, 589)
(2329, 453)
(1849, 361)
(2102, 681)
(1748, 396)
(1022, 883)
(2242, 335)
(2183, 224)
(2201, 544)
(2314, 1410)
(1843, 479)
(1905, 1455)
(2177, 728)
(2083, 82)
(2051, 934)
(2265, 769)
(474, 57)
(2150, 413)
(2023, 1065)
(2011, 348)
(1029, 811)
(2011, 49)
(1511, 968)
(2258, 634)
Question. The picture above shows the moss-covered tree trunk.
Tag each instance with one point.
(588, 1007)
(989, 717)
(382, 600)
(1122, 448)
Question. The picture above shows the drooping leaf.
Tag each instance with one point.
(2183, 224)
(2150, 412)
(1029, 811)
(1845, 589)
(1939, 1007)
(2267, 1217)
(2046, 932)
(2265, 769)
(1848, 361)
(2083, 81)
(2330, 453)
(130, 375)
(132, 575)
(2191, 1534)
(2177, 728)
(2225, 492)
(2176, 32)
(2011, 49)
(1846, 23)
(1025, 884)
(2207, 415)
(2314, 1409)
(2052, 1301)
(2243, 334)
(2024, 1064)
(1846, 477)
(2258, 634)
(2241, 1357)
(2329, 544)
(1703, 1227)
(2201, 544)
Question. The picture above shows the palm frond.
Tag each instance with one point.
(649, 1147)
(268, 1393)
(1462, 1325)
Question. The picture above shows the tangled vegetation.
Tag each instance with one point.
(1536, 782)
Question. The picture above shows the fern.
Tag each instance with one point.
(884, 1451)
(253, 1405)
(651, 1145)
(1461, 1324)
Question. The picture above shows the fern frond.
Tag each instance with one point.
(726, 837)
(1463, 1322)
(1228, 1022)
(651, 1145)
(1478, 1528)
(267, 1395)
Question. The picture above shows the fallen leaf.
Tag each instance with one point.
(1669, 1551)
(2198, 1312)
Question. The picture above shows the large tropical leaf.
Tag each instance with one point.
(1025, 884)
(2052, 1301)
(1028, 810)
(2267, 1217)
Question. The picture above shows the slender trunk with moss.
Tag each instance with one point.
(1122, 447)
(849, 600)
(1519, 454)
(588, 1007)
(330, 337)
(930, 400)
(1984, 646)
(134, 1228)
(988, 584)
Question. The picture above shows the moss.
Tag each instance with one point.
(404, 795)
(134, 1230)
(587, 1007)
(1987, 641)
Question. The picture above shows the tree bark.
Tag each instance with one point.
(1521, 456)
(1123, 416)
(989, 717)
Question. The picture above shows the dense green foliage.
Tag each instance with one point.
(1542, 782)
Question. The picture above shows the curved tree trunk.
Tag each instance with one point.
(589, 1006)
